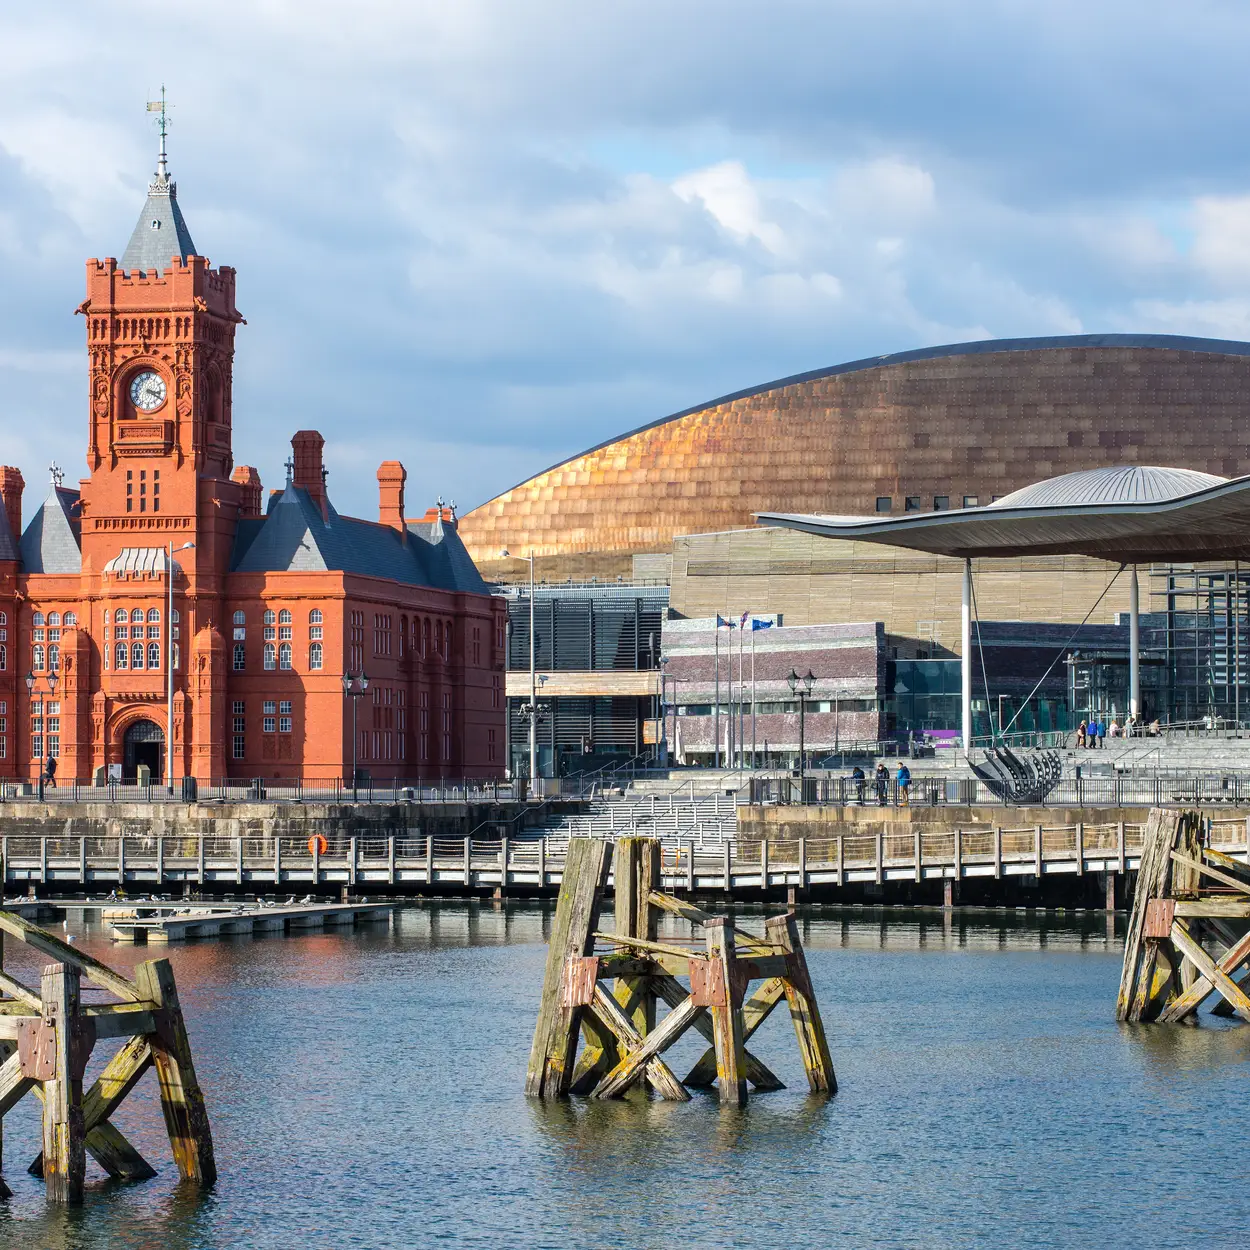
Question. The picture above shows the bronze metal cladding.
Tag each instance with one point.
(974, 421)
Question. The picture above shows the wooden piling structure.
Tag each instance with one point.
(1188, 899)
(46, 1042)
(622, 1043)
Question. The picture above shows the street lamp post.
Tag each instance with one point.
(169, 665)
(663, 662)
(802, 686)
(354, 686)
(30, 693)
(533, 705)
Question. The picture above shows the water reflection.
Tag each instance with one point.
(365, 1089)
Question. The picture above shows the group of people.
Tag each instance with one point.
(881, 784)
(1094, 733)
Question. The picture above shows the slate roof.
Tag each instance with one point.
(293, 537)
(52, 543)
(8, 543)
(161, 232)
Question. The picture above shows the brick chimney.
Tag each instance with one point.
(11, 487)
(251, 494)
(307, 446)
(391, 478)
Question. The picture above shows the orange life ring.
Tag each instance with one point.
(317, 845)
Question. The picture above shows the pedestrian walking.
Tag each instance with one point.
(1082, 734)
(882, 781)
(857, 776)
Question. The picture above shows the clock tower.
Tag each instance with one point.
(160, 336)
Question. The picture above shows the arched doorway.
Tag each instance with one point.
(143, 743)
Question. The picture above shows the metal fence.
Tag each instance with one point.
(1125, 790)
(260, 789)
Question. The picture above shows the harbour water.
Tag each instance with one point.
(365, 1091)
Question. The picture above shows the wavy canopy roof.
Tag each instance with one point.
(1128, 515)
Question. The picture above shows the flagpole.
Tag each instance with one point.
(754, 762)
(741, 710)
(716, 714)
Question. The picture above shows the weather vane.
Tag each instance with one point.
(160, 106)
(58, 474)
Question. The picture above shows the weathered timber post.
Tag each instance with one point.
(724, 994)
(64, 1150)
(550, 1070)
(783, 931)
(182, 1100)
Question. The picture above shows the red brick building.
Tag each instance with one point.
(272, 606)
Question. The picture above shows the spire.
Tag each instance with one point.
(161, 232)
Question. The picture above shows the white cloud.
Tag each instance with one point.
(482, 236)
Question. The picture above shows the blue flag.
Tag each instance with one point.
(760, 624)
(721, 623)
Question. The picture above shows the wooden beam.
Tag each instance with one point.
(1208, 968)
(24, 995)
(635, 871)
(42, 941)
(688, 911)
(804, 1011)
(726, 1015)
(120, 1076)
(1195, 995)
(599, 1056)
(1226, 908)
(633, 943)
(644, 1053)
(1214, 873)
(755, 1011)
(182, 1101)
(550, 1070)
(673, 993)
(64, 1150)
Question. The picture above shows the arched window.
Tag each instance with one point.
(54, 657)
(403, 636)
(314, 657)
(4, 618)
(284, 617)
(438, 637)
(4, 658)
(71, 619)
(271, 660)
(120, 616)
(154, 616)
(175, 616)
(154, 655)
(269, 617)
(240, 617)
(37, 620)
(284, 655)
(240, 657)
(54, 618)
(122, 656)
(314, 617)
(136, 616)
(37, 658)
(136, 655)
(425, 638)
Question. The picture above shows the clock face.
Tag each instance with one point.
(147, 391)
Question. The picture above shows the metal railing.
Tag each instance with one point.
(398, 859)
(261, 789)
(1156, 789)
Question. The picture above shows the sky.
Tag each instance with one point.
(482, 236)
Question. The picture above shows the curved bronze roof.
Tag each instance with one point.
(969, 421)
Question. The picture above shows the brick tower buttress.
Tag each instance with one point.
(159, 455)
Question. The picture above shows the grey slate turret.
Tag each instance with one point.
(51, 543)
(161, 232)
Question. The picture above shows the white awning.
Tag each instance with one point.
(143, 561)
